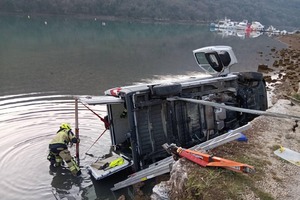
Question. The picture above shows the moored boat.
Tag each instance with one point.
(243, 25)
(225, 24)
(257, 26)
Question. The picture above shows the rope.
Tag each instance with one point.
(96, 141)
(54, 194)
(106, 123)
(102, 119)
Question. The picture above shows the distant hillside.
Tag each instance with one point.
(280, 13)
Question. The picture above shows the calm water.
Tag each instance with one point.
(44, 60)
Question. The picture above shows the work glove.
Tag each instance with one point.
(75, 140)
(123, 114)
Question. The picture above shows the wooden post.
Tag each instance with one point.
(77, 130)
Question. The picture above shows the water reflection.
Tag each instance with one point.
(28, 123)
(236, 33)
(246, 33)
(64, 184)
(80, 56)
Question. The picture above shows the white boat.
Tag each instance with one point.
(225, 24)
(272, 29)
(257, 26)
(242, 25)
(247, 33)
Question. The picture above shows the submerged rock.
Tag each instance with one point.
(264, 68)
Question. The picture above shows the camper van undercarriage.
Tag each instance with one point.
(142, 117)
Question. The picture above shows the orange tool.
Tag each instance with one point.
(206, 160)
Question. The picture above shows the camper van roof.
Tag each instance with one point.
(94, 100)
(185, 83)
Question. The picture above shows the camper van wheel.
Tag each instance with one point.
(252, 93)
(254, 84)
(167, 89)
(250, 76)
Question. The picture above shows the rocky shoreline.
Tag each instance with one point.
(283, 75)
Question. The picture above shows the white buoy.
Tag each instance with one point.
(103, 23)
(95, 19)
(28, 16)
(45, 22)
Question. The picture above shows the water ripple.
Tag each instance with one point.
(28, 122)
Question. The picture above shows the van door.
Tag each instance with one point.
(119, 127)
(116, 113)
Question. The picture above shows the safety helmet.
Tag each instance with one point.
(65, 126)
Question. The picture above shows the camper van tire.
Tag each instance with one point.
(166, 89)
(257, 83)
(252, 94)
(250, 76)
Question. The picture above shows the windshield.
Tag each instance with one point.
(203, 62)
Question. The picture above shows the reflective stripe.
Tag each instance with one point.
(62, 137)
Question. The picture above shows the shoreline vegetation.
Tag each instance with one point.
(285, 17)
(107, 18)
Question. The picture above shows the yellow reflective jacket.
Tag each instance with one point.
(63, 137)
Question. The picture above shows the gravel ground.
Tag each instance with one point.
(281, 178)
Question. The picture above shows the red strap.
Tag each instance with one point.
(106, 123)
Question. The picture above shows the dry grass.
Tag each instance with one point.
(217, 183)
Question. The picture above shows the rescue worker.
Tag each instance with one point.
(58, 149)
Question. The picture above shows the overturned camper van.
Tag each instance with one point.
(144, 117)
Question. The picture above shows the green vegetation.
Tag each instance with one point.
(269, 12)
(208, 183)
(275, 147)
(297, 96)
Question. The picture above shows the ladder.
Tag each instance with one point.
(164, 166)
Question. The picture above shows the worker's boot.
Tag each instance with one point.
(51, 158)
(74, 168)
(58, 161)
